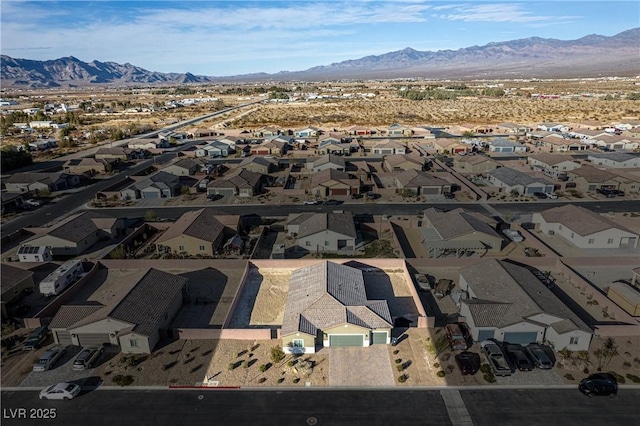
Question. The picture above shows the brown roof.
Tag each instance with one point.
(413, 178)
(592, 174)
(580, 220)
(551, 159)
(12, 276)
(201, 224)
(458, 222)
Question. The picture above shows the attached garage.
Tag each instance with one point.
(346, 340)
(64, 338)
(150, 194)
(485, 334)
(379, 338)
(523, 338)
(431, 189)
(340, 191)
(97, 339)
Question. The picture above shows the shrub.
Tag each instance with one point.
(485, 368)
(489, 377)
(569, 376)
(121, 380)
(296, 380)
(291, 363)
(399, 367)
(264, 367)
(281, 379)
(406, 364)
(403, 378)
(245, 364)
(231, 366)
(396, 352)
(436, 365)
(441, 373)
(398, 360)
(277, 354)
(633, 378)
(262, 380)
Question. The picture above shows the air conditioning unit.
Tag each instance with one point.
(552, 232)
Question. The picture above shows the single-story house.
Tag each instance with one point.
(199, 232)
(272, 147)
(265, 132)
(202, 133)
(553, 165)
(328, 161)
(148, 144)
(88, 165)
(553, 127)
(327, 306)
(474, 164)
(359, 131)
(590, 179)
(159, 185)
(505, 146)
(307, 132)
(584, 228)
(262, 165)
(459, 231)
(242, 182)
(331, 182)
(399, 130)
(616, 143)
(507, 302)
(40, 182)
(118, 153)
(421, 183)
(184, 167)
(14, 282)
(331, 145)
(11, 201)
(388, 147)
(214, 149)
(510, 180)
(450, 146)
(555, 143)
(77, 233)
(134, 318)
(323, 232)
(615, 160)
(513, 128)
(403, 162)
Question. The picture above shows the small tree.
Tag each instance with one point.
(277, 354)
(150, 216)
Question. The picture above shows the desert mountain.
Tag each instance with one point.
(590, 56)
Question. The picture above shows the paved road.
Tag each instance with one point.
(396, 407)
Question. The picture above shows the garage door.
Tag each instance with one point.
(522, 338)
(339, 191)
(341, 340)
(150, 194)
(484, 335)
(64, 338)
(379, 338)
(93, 339)
(430, 189)
(532, 189)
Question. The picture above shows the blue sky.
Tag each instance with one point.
(238, 37)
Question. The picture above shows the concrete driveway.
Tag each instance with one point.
(362, 367)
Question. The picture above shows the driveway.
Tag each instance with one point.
(361, 367)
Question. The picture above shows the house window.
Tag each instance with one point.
(298, 343)
(610, 241)
(307, 243)
(201, 248)
(560, 227)
(181, 248)
(326, 243)
(572, 234)
(134, 343)
(574, 340)
(591, 240)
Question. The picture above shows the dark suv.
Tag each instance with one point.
(606, 192)
(599, 384)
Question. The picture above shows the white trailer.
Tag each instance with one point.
(61, 278)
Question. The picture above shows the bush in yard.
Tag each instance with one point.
(291, 363)
(485, 368)
(398, 360)
(633, 378)
(440, 373)
(277, 354)
(121, 380)
(264, 367)
(296, 380)
(281, 379)
(231, 366)
(403, 378)
(396, 352)
(262, 380)
(489, 377)
(436, 365)
(399, 367)
(569, 376)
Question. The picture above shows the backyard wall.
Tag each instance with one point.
(217, 334)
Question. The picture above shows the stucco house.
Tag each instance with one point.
(450, 146)
(88, 165)
(40, 182)
(421, 183)
(199, 232)
(77, 233)
(328, 161)
(553, 127)
(134, 318)
(459, 231)
(323, 232)
(474, 164)
(590, 179)
(270, 147)
(148, 144)
(505, 146)
(118, 153)
(14, 282)
(331, 182)
(506, 301)
(262, 165)
(241, 182)
(553, 165)
(307, 132)
(399, 130)
(184, 167)
(159, 185)
(331, 145)
(584, 228)
(513, 128)
(214, 149)
(615, 160)
(265, 132)
(327, 306)
(403, 162)
(511, 180)
(388, 147)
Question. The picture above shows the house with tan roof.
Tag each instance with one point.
(388, 147)
(403, 162)
(459, 231)
(118, 153)
(184, 167)
(615, 160)
(512, 180)
(132, 318)
(158, 185)
(474, 164)
(323, 232)
(267, 131)
(507, 302)
(89, 166)
(327, 306)
(617, 142)
(307, 132)
(584, 229)
(13, 284)
(148, 144)
(590, 179)
(359, 131)
(77, 233)
(513, 128)
(450, 146)
(199, 232)
(560, 144)
(241, 182)
(421, 183)
(553, 165)
(332, 145)
(331, 182)
(271, 147)
(40, 182)
(399, 130)
(328, 161)
(262, 165)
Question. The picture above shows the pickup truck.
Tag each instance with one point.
(496, 358)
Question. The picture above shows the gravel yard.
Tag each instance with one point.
(392, 287)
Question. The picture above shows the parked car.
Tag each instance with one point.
(539, 356)
(372, 195)
(310, 202)
(455, 337)
(496, 358)
(64, 391)
(551, 195)
(356, 196)
(599, 384)
(86, 358)
(540, 195)
(35, 338)
(513, 235)
(606, 192)
(468, 362)
(49, 358)
(449, 195)
(424, 282)
(331, 203)
(618, 192)
(519, 356)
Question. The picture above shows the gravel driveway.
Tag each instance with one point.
(370, 367)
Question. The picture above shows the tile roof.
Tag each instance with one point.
(201, 224)
(614, 156)
(551, 159)
(69, 315)
(592, 174)
(326, 295)
(396, 159)
(76, 228)
(329, 159)
(313, 223)
(513, 177)
(161, 180)
(502, 142)
(580, 220)
(412, 178)
(326, 175)
(12, 276)
(33, 177)
(263, 161)
(459, 222)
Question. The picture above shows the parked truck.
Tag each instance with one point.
(61, 278)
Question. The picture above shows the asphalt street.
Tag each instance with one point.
(355, 407)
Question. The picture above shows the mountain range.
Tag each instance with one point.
(534, 57)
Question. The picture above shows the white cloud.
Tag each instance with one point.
(499, 12)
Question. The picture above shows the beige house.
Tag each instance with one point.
(388, 147)
(199, 232)
(331, 145)
(323, 232)
(584, 228)
(90, 166)
(331, 182)
(13, 284)
(553, 165)
(451, 146)
(459, 231)
(262, 165)
(421, 183)
(134, 318)
(590, 179)
(328, 161)
(327, 306)
(241, 182)
(403, 162)
(185, 167)
(474, 164)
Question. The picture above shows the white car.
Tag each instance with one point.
(49, 358)
(513, 235)
(310, 202)
(551, 196)
(60, 391)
